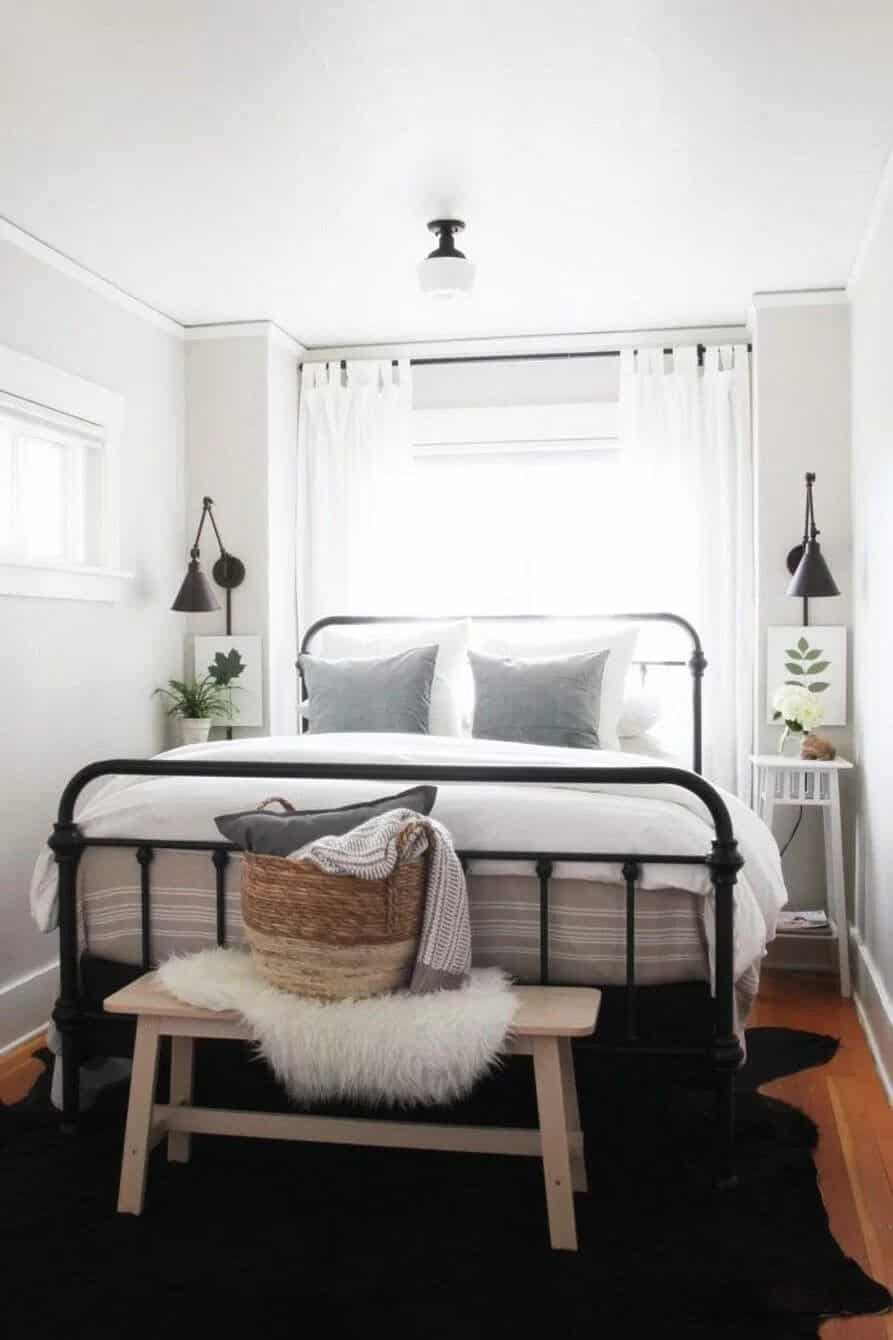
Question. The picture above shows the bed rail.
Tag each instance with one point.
(723, 861)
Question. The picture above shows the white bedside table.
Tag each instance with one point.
(784, 780)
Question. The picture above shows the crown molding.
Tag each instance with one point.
(246, 330)
(875, 214)
(800, 297)
(18, 237)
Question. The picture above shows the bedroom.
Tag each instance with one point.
(214, 263)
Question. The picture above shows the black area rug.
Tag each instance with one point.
(275, 1239)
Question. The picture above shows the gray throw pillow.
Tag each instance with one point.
(539, 701)
(388, 693)
(274, 834)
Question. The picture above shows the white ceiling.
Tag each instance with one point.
(624, 165)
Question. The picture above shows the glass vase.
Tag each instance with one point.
(786, 735)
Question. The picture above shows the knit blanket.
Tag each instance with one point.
(373, 850)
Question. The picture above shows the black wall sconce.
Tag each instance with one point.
(196, 594)
(810, 574)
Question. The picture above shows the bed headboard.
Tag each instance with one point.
(696, 662)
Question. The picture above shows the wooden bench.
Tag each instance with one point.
(546, 1021)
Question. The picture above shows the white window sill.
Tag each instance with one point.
(60, 581)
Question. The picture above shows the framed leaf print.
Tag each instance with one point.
(814, 657)
(235, 664)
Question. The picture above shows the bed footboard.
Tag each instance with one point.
(723, 1053)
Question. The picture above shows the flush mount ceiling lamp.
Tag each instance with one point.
(446, 272)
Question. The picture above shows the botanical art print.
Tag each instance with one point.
(234, 665)
(814, 660)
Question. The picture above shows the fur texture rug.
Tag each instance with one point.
(287, 1237)
(398, 1049)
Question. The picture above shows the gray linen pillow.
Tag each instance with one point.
(539, 701)
(274, 834)
(388, 693)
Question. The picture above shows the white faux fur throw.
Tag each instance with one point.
(401, 1048)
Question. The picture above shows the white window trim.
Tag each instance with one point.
(49, 388)
(514, 429)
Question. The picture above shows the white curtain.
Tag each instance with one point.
(686, 437)
(354, 458)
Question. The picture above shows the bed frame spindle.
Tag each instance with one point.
(630, 875)
(145, 856)
(544, 874)
(221, 860)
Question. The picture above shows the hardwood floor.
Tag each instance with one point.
(845, 1099)
(19, 1069)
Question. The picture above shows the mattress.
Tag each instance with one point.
(587, 920)
(587, 923)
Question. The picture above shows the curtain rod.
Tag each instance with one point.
(525, 358)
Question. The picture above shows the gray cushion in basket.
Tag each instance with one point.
(274, 834)
(539, 701)
(387, 693)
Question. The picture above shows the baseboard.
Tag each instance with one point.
(875, 1009)
(26, 1004)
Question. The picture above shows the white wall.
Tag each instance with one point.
(241, 427)
(282, 447)
(801, 422)
(871, 294)
(76, 678)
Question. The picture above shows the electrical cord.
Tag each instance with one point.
(797, 824)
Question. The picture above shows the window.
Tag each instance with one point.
(58, 483)
(526, 508)
(530, 509)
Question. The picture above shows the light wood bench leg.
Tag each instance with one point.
(179, 1143)
(139, 1117)
(572, 1110)
(553, 1120)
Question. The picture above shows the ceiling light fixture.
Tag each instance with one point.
(446, 272)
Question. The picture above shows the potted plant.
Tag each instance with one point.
(195, 703)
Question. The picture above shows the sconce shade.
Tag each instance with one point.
(196, 595)
(812, 576)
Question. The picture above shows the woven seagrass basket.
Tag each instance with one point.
(331, 936)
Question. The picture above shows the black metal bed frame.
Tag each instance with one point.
(74, 1014)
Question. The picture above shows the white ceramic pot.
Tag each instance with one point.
(193, 730)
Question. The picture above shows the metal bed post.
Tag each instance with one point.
(724, 864)
(67, 847)
(697, 664)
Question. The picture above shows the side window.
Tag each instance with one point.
(59, 494)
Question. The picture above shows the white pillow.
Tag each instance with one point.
(531, 641)
(639, 713)
(343, 641)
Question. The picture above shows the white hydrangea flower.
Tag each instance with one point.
(800, 710)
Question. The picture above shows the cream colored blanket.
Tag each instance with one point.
(373, 850)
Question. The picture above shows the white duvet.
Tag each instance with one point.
(482, 816)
